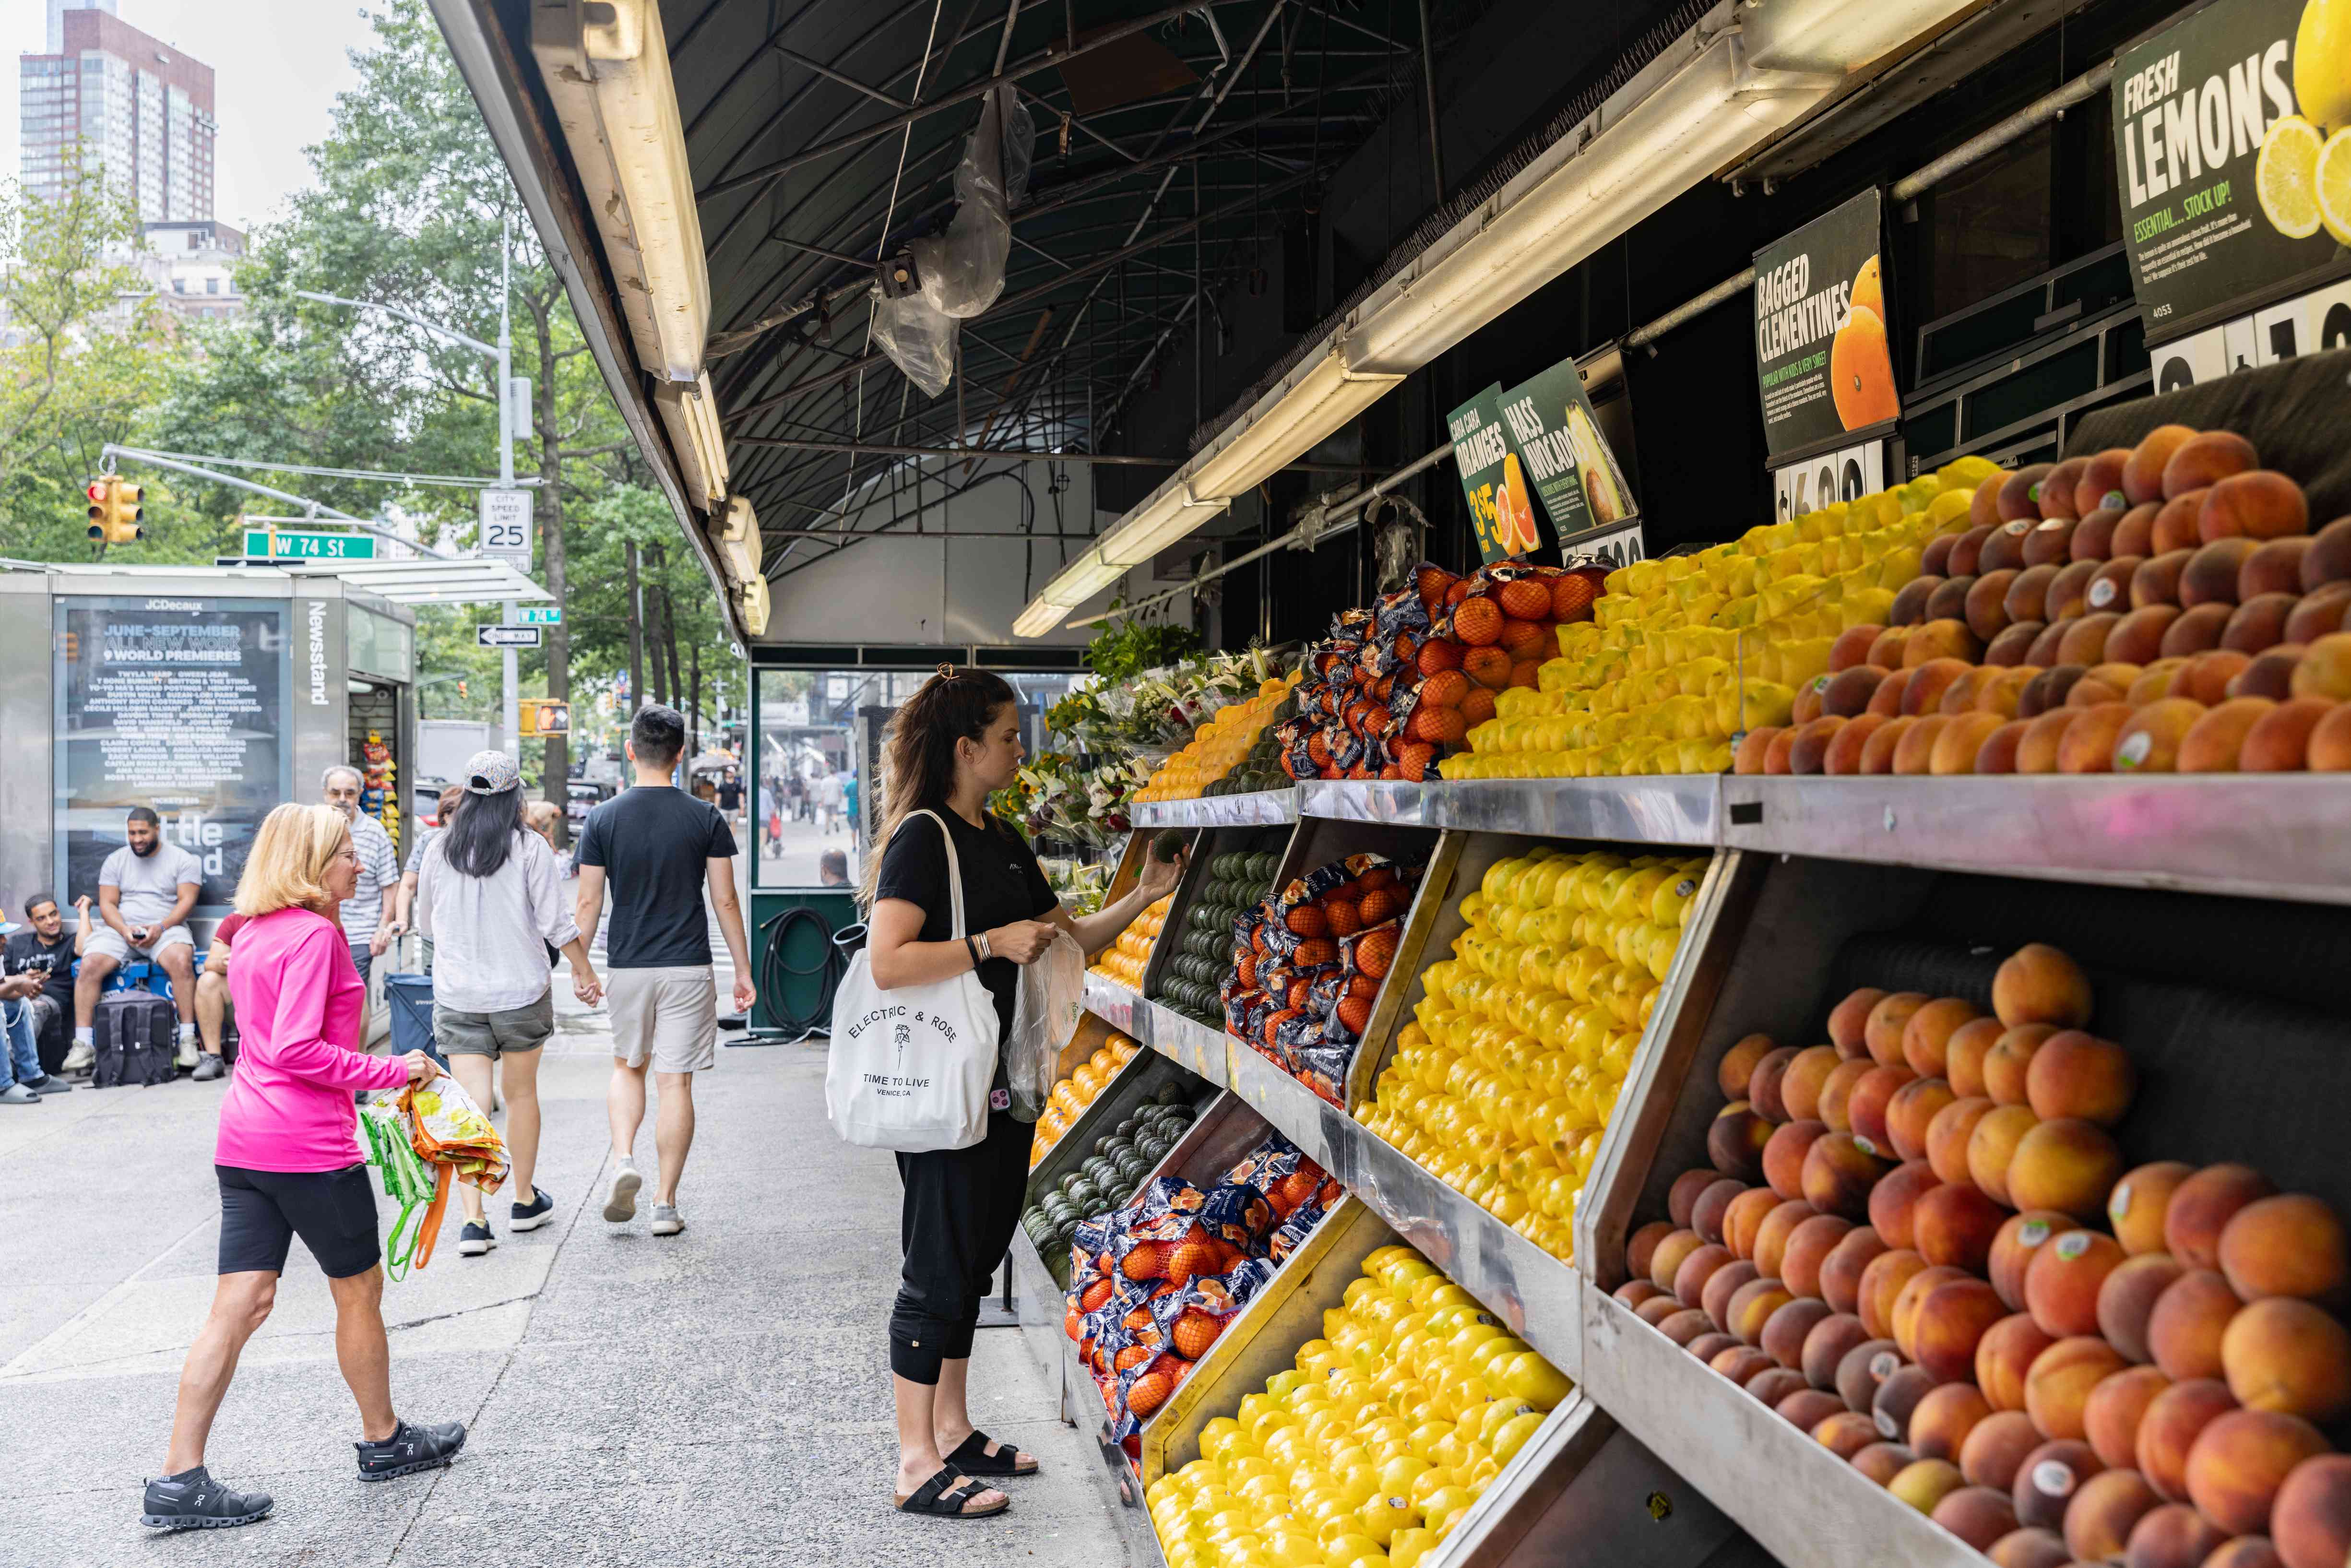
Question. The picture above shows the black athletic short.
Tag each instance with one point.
(333, 1211)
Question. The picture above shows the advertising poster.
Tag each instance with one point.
(1823, 360)
(1501, 508)
(2232, 143)
(174, 704)
(1562, 454)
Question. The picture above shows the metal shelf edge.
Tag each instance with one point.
(1671, 809)
(1257, 808)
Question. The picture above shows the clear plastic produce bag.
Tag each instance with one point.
(918, 340)
(1045, 1011)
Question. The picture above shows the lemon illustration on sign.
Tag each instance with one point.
(2286, 176)
(2322, 64)
(2334, 185)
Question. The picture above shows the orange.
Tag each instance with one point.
(1868, 291)
(1861, 371)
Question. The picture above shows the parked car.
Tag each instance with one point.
(585, 796)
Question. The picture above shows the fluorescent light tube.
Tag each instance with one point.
(734, 531)
(1316, 406)
(753, 603)
(690, 413)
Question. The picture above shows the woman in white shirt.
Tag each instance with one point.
(490, 898)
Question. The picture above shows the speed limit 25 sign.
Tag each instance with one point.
(506, 525)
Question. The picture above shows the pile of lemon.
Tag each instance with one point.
(1222, 740)
(1374, 1444)
(1503, 1082)
(1073, 1094)
(1125, 959)
(1686, 652)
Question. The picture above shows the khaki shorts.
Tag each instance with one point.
(461, 1033)
(667, 1016)
(105, 939)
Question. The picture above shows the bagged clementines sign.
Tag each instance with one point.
(1823, 354)
(1493, 478)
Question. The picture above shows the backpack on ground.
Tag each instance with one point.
(134, 1033)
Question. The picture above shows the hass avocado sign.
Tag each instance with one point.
(1822, 358)
(2232, 145)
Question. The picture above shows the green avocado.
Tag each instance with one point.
(1168, 844)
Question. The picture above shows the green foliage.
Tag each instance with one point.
(1125, 649)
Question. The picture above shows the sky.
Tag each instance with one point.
(277, 67)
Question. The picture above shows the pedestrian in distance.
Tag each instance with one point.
(213, 1004)
(832, 869)
(42, 954)
(365, 925)
(288, 1162)
(491, 899)
(145, 891)
(658, 847)
(946, 751)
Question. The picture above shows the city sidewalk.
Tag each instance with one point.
(720, 1397)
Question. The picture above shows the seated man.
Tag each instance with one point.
(40, 959)
(212, 1003)
(145, 891)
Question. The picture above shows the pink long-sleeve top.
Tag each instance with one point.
(299, 1000)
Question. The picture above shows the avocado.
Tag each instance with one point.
(1168, 844)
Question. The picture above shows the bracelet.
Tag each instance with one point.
(974, 948)
(987, 948)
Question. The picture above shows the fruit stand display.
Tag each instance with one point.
(1131, 955)
(1232, 752)
(1188, 983)
(1073, 1094)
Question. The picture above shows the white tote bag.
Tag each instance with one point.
(909, 1069)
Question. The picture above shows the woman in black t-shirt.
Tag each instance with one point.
(946, 751)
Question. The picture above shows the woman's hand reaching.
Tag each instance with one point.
(1159, 877)
(1022, 940)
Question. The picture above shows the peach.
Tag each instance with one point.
(1832, 1340)
(1778, 757)
(2287, 1246)
(2279, 741)
(1752, 1306)
(2092, 538)
(2041, 984)
(2260, 624)
(2101, 481)
(2325, 668)
(2014, 1250)
(1836, 1091)
(2206, 459)
(1713, 1205)
(2172, 1536)
(1657, 1309)
(2241, 1459)
(2149, 741)
(1912, 1110)
(2108, 591)
(2174, 524)
(1941, 1422)
(2285, 1354)
(1720, 1286)
(1754, 753)
(1985, 606)
(1738, 1064)
(1911, 1301)
(2067, 1165)
(2213, 744)
(2329, 559)
(1671, 1254)
(2110, 1419)
(2099, 1519)
(1965, 1050)
(1851, 648)
(1867, 1107)
(2062, 1281)
(1851, 743)
(2008, 1064)
(2044, 652)
(1771, 1236)
(1800, 1084)
(2068, 594)
(2029, 1549)
(2274, 566)
(2213, 571)
(1899, 1395)
(1960, 741)
(1745, 1215)
(1641, 1247)
(2311, 1519)
(1742, 1364)
(1924, 1483)
(2048, 1479)
(1949, 1325)
(1808, 1248)
(2028, 596)
(2190, 1318)
(1926, 1035)
(1785, 1329)
(2142, 477)
(1763, 1083)
(2126, 1301)
(1634, 1292)
(2044, 741)
(1864, 1366)
(2005, 690)
(1806, 1408)
(2085, 641)
(1684, 1326)
(1849, 1021)
(1690, 1277)
(1966, 557)
(1846, 1433)
(1909, 607)
(2059, 1385)
(2004, 1358)
(1887, 1274)
(2203, 1205)
(1944, 637)
(2137, 637)
(2330, 742)
(2168, 1427)
(2246, 1552)
(1706, 1346)
(1976, 1515)
(1683, 1199)
(1735, 1141)
(1783, 1156)
(1881, 1462)
(2153, 682)
(2077, 1075)
(1992, 1149)
(2319, 613)
(1893, 1202)
(1889, 1016)
(1809, 752)
(1841, 1270)
(1914, 754)
(1947, 1135)
(1955, 1223)
(1839, 1171)
(1995, 1446)
(2270, 673)
(1935, 557)
(2137, 1206)
(2089, 743)
(2206, 676)
(1775, 1383)
(2259, 505)
(2133, 534)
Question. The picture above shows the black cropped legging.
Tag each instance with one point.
(961, 1208)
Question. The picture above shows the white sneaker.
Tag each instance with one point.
(621, 1195)
(82, 1058)
(666, 1219)
(187, 1057)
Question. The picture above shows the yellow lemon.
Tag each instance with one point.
(1513, 1436)
(1532, 1379)
(2285, 176)
(2321, 63)
(2334, 181)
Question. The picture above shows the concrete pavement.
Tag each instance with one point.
(719, 1398)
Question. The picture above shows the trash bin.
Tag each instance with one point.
(410, 997)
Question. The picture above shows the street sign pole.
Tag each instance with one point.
(508, 717)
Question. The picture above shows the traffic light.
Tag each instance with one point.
(114, 510)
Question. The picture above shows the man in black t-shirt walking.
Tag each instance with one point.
(659, 847)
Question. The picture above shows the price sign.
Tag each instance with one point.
(506, 525)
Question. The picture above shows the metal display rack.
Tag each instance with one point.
(1259, 808)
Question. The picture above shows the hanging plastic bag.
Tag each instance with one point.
(1045, 1012)
(918, 340)
(962, 270)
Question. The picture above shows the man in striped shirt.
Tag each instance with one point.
(364, 924)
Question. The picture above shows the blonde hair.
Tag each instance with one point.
(540, 817)
(286, 868)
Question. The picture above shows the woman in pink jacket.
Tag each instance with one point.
(288, 1162)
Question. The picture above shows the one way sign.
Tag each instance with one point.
(507, 636)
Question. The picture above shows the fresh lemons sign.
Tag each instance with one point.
(2232, 139)
(1824, 365)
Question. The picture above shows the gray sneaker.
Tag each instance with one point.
(210, 1067)
(667, 1221)
(621, 1195)
(18, 1094)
